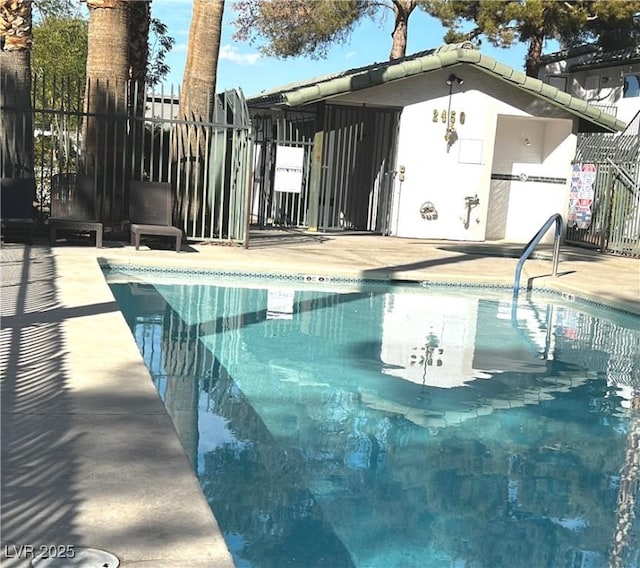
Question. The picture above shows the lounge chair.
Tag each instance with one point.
(150, 212)
(16, 206)
(73, 198)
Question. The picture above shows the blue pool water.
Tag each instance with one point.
(373, 426)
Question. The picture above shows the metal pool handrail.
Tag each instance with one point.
(533, 243)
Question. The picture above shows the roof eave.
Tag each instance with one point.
(600, 120)
(441, 58)
(384, 73)
(604, 64)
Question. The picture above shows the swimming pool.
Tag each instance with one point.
(368, 425)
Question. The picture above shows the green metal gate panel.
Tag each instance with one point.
(623, 207)
(357, 168)
(615, 222)
(288, 129)
(211, 170)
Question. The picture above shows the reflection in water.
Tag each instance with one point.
(380, 428)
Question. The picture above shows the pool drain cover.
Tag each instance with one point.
(82, 557)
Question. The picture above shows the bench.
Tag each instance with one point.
(73, 199)
(150, 212)
(16, 206)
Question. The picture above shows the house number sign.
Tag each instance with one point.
(442, 116)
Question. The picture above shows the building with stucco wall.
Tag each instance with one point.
(444, 144)
(609, 80)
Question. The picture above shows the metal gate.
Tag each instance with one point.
(271, 130)
(358, 164)
(615, 221)
(357, 167)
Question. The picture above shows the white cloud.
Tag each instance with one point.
(231, 53)
(350, 54)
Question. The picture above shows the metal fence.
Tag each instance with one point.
(355, 170)
(615, 215)
(137, 133)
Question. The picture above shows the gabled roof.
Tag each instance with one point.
(609, 58)
(319, 89)
(593, 56)
(568, 53)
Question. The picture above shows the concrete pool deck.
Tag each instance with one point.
(89, 455)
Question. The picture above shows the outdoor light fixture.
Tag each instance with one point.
(451, 135)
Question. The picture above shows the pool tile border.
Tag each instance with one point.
(128, 269)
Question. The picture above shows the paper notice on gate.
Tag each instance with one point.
(288, 175)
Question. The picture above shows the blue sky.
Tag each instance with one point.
(242, 66)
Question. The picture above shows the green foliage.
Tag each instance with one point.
(502, 23)
(161, 43)
(61, 9)
(612, 23)
(60, 47)
(616, 24)
(299, 27)
(58, 60)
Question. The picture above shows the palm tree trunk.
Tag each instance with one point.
(138, 38)
(16, 119)
(200, 71)
(106, 103)
(197, 101)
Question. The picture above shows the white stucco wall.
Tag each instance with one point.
(538, 152)
(495, 138)
(444, 175)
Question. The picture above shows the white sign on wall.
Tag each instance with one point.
(288, 176)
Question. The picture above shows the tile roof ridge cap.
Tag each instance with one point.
(453, 46)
